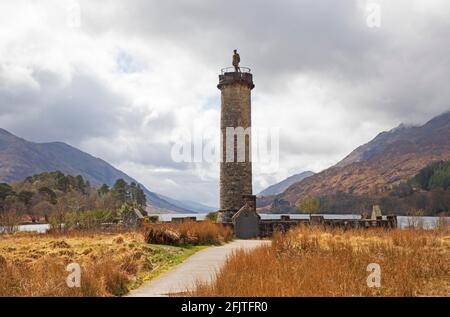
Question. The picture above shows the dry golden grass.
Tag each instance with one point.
(188, 233)
(316, 262)
(35, 264)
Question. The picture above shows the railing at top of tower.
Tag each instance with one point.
(233, 70)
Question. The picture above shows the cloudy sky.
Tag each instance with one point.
(124, 79)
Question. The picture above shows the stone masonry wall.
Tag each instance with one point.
(235, 176)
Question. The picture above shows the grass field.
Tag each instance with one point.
(317, 262)
(111, 264)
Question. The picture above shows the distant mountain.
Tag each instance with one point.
(190, 205)
(284, 184)
(373, 168)
(20, 158)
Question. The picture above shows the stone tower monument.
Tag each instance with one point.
(235, 85)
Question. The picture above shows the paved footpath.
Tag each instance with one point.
(199, 267)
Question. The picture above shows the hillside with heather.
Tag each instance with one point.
(374, 170)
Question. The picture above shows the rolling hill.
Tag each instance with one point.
(20, 158)
(373, 168)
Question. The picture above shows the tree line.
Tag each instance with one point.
(51, 195)
(427, 193)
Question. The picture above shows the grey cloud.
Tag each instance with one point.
(276, 38)
(85, 108)
(310, 146)
(280, 40)
(18, 90)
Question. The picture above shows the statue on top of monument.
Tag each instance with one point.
(236, 60)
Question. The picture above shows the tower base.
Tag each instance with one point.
(224, 216)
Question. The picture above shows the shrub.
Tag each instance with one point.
(212, 216)
(188, 233)
(151, 218)
(91, 219)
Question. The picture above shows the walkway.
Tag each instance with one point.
(199, 267)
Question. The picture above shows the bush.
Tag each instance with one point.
(92, 219)
(212, 216)
(151, 219)
(188, 233)
(9, 222)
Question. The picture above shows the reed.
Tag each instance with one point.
(317, 262)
